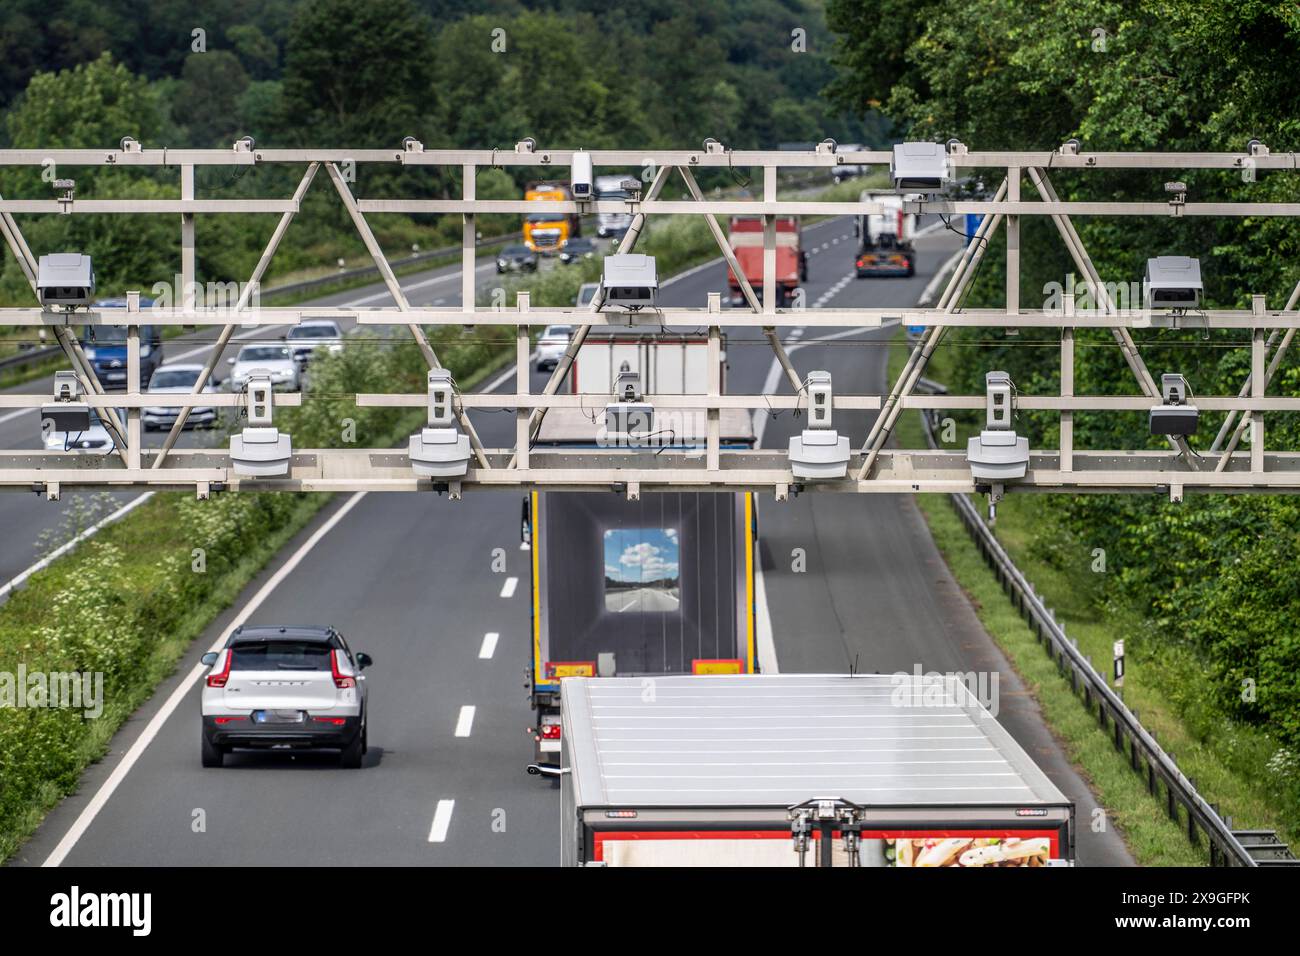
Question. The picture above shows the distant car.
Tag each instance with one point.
(551, 345)
(105, 347)
(516, 259)
(586, 292)
(577, 249)
(312, 334)
(95, 440)
(274, 359)
(294, 688)
(178, 379)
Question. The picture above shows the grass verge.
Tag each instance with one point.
(1229, 768)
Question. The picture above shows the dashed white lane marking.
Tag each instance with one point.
(833, 291)
(465, 722)
(508, 589)
(441, 821)
(489, 646)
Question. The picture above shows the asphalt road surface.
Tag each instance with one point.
(408, 578)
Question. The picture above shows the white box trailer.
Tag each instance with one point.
(704, 771)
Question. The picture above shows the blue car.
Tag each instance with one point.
(105, 347)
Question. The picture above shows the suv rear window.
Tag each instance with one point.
(281, 656)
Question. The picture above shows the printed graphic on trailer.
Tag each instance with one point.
(642, 570)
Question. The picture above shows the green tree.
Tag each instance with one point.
(92, 105)
(359, 74)
(208, 99)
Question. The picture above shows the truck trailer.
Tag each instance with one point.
(663, 584)
(885, 238)
(799, 769)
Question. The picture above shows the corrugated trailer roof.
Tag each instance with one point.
(776, 740)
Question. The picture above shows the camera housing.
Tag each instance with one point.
(998, 453)
(66, 279)
(920, 167)
(581, 179)
(439, 450)
(1172, 282)
(260, 450)
(66, 413)
(630, 280)
(819, 452)
(1176, 416)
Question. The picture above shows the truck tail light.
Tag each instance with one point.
(227, 720)
(219, 678)
(336, 721)
(341, 680)
(550, 731)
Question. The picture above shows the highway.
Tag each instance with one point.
(409, 580)
(27, 516)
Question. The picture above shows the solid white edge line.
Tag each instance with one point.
(441, 821)
(927, 295)
(63, 549)
(508, 587)
(465, 720)
(133, 754)
(489, 645)
(763, 636)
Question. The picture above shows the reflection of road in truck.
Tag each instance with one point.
(659, 585)
(885, 238)
(746, 238)
(799, 769)
(547, 232)
(612, 224)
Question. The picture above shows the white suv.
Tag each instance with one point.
(284, 688)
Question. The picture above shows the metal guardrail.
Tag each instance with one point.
(1227, 848)
(28, 357)
(344, 275)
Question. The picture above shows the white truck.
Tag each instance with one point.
(878, 770)
(611, 225)
(885, 238)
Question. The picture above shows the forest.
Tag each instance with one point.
(1214, 579)
(569, 73)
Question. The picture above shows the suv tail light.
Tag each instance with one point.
(341, 680)
(219, 678)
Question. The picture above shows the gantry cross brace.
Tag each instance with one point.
(875, 468)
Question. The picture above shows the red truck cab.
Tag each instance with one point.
(746, 237)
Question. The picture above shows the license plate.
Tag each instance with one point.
(116, 376)
(278, 716)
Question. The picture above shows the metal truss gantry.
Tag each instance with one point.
(874, 468)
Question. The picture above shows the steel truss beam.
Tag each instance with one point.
(874, 469)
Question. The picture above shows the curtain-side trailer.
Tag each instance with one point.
(799, 769)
